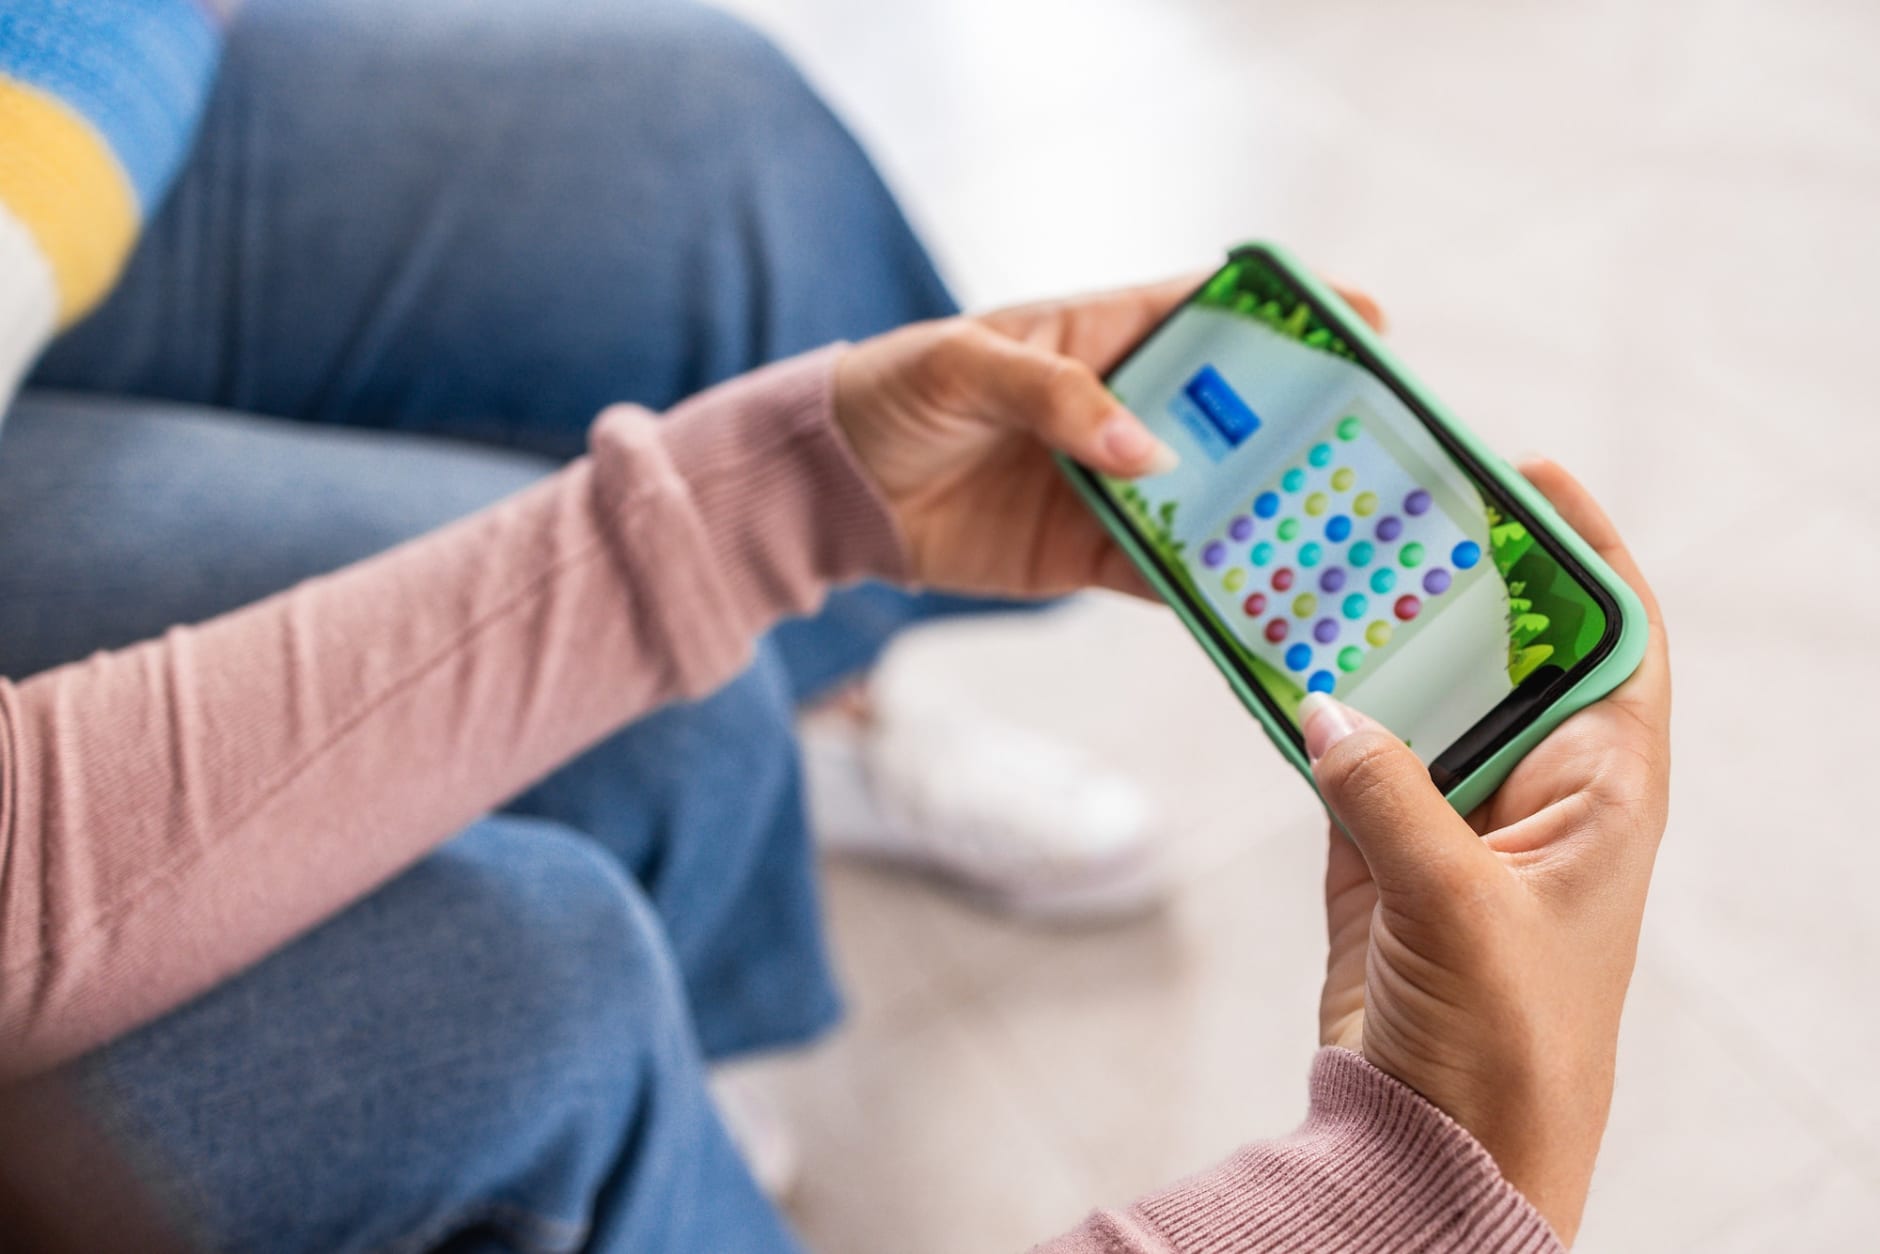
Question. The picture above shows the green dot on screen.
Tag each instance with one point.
(1348, 427)
(1289, 528)
(1351, 657)
(1410, 554)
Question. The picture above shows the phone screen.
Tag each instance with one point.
(1333, 537)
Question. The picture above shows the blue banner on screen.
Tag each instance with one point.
(1214, 413)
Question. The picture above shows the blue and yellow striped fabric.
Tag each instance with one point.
(98, 102)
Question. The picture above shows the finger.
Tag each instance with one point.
(1581, 512)
(1099, 329)
(1364, 305)
(1411, 839)
(1649, 692)
(1117, 573)
(1096, 329)
(1063, 403)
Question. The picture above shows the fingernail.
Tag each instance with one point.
(1124, 438)
(1325, 721)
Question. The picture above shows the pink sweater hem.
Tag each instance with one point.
(1373, 1167)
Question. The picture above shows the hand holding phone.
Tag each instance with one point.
(1485, 963)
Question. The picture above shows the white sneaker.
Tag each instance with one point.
(1023, 823)
(758, 1130)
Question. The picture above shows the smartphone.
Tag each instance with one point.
(1332, 528)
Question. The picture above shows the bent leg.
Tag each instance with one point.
(488, 221)
(491, 1052)
(492, 220)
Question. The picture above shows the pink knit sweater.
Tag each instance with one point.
(172, 812)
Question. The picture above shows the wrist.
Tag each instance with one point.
(785, 501)
(763, 506)
(1375, 1165)
(1540, 1123)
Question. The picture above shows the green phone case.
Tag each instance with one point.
(1619, 662)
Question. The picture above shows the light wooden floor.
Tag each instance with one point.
(1641, 236)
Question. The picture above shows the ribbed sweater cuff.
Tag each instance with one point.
(1374, 1167)
(769, 509)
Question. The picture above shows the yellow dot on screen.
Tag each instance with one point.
(1316, 503)
(1378, 634)
(1304, 604)
(1364, 504)
(1343, 478)
(1233, 579)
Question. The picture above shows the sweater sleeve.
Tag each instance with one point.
(1373, 1167)
(175, 810)
(99, 100)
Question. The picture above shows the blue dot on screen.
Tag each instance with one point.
(1466, 554)
(1321, 681)
(1266, 504)
(1299, 656)
(1337, 527)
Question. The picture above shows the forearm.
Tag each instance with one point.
(173, 811)
(1374, 1167)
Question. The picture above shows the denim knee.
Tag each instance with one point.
(560, 980)
(480, 1047)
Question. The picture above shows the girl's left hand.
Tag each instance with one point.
(956, 422)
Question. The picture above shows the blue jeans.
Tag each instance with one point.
(429, 245)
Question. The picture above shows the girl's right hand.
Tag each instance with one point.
(1484, 962)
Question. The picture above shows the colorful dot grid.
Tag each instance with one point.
(1328, 565)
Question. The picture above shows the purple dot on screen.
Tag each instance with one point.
(1436, 582)
(1325, 630)
(1332, 580)
(1416, 503)
(1241, 529)
(1389, 527)
(1213, 554)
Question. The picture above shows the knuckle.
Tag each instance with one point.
(1363, 771)
(1066, 387)
(954, 360)
(960, 341)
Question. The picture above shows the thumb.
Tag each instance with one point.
(1062, 401)
(1382, 795)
